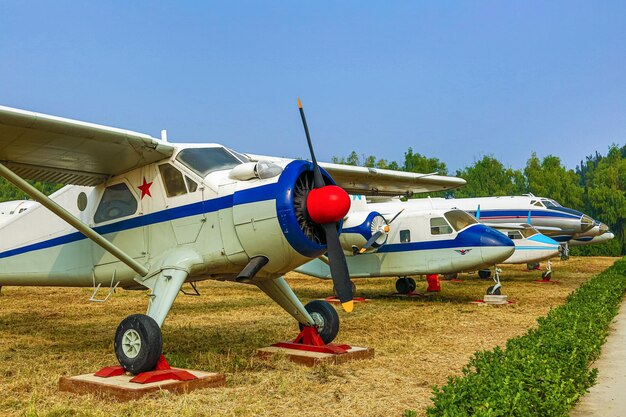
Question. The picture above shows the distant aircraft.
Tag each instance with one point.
(547, 216)
(142, 213)
(592, 240)
(413, 242)
(9, 209)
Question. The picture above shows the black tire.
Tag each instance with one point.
(403, 286)
(148, 343)
(412, 284)
(450, 276)
(484, 273)
(497, 292)
(547, 275)
(326, 319)
(352, 284)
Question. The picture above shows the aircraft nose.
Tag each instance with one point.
(495, 246)
(586, 223)
(603, 228)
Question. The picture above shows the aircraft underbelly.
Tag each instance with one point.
(521, 256)
(63, 265)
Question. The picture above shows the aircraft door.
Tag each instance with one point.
(232, 246)
(116, 217)
(184, 204)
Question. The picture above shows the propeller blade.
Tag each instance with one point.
(318, 180)
(370, 242)
(328, 215)
(338, 267)
(395, 217)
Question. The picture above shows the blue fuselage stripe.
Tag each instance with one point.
(523, 214)
(252, 195)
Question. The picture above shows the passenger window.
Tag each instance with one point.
(405, 236)
(117, 201)
(173, 180)
(439, 226)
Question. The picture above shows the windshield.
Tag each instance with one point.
(550, 203)
(203, 161)
(528, 232)
(459, 219)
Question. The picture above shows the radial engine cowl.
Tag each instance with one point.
(303, 233)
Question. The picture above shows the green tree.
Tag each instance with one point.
(9, 192)
(352, 159)
(549, 178)
(488, 177)
(416, 162)
(606, 192)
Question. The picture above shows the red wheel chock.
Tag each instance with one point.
(162, 372)
(433, 283)
(310, 340)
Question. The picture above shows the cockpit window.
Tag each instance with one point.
(528, 232)
(515, 234)
(459, 219)
(173, 180)
(536, 203)
(550, 203)
(203, 161)
(439, 226)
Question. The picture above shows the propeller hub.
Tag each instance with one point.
(328, 204)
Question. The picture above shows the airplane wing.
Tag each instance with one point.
(385, 182)
(380, 182)
(520, 226)
(47, 148)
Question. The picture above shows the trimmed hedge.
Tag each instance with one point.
(544, 372)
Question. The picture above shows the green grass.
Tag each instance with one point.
(545, 371)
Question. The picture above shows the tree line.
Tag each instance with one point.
(596, 187)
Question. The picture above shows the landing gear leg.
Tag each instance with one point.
(318, 314)
(547, 274)
(138, 341)
(495, 289)
(564, 252)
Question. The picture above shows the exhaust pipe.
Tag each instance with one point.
(254, 266)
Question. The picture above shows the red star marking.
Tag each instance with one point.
(145, 188)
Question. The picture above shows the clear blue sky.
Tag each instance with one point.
(453, 80)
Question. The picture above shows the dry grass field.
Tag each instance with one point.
(49, 332)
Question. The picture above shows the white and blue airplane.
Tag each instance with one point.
(413, 242)
(141, 213)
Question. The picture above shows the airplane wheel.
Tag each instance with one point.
(450, 276)
(412, 284)
(403, 285)
(352, 284)
(138, 343)
(532, 266)
(564, 257)
(497, 292)
(484, 273)
(326, 319)
(546, 275)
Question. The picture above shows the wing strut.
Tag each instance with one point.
(72, 220)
